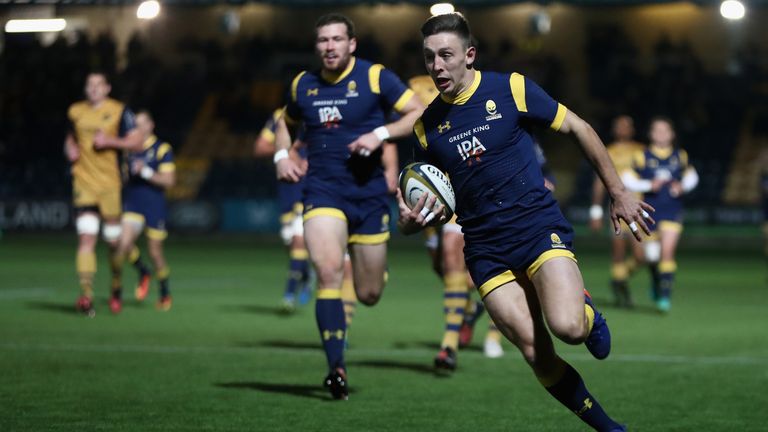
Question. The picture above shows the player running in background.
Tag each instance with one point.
(289, 195)
(150, 172)
(663, 174)
(292, 231)
(343, 107)
(621, 151)
(100, 129)
(518, 245)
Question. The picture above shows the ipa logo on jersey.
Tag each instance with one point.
(329, 115)
(470, 148)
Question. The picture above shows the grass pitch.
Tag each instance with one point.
(225, 359)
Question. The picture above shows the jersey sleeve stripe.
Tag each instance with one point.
(267, 135)
(404, 99)
(418, 129)
(559, 117)
(374, 78)
(517, 86)
(163, 150)
(166, 167)
(295, 85)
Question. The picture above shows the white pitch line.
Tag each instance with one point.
(23, 293)
(365, 352)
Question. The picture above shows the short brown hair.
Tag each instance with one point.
(336, 18)
(452, 23)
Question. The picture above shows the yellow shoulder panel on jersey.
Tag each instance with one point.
(295, 85)
(559, 117)
(374, 78)
(418, 129)
(684, 158)
(163, 150)
(517, 86)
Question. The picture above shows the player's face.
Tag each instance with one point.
(334, 46)
(448, 62)
(662, 133)
(144, 124)
(96, 88)
(623, 128)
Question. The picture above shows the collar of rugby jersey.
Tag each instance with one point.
(463, 97)
(335, 79)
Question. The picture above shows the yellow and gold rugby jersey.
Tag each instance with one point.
(622, 152)
(98, 169)
(424, 88)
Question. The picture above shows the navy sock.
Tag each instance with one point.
(135, 258)
(329, 311)
(665, 283)
(667, 271)
(297, 275)
(571, 392)
(165, 290)
(655, 280)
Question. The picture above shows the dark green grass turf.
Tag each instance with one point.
(225, 359)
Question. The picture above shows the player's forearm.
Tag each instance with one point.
(133, 142)
(282, 137)
(70, 148)
(164, 179)
(635, 183)
(690, 180)
(403, 126)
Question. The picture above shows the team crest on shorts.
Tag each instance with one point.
(556, 242)
(385, 223)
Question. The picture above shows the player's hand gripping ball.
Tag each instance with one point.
(420, 178)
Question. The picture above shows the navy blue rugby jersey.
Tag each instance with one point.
(337, 112)
(667, 164)
(480, 140)
(158, 155)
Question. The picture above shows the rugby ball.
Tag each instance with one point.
(419, 178)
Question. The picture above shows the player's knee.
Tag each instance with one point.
(87, 224)
(369, 297)
(571, 331)
(111, 232)
(329, 273)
